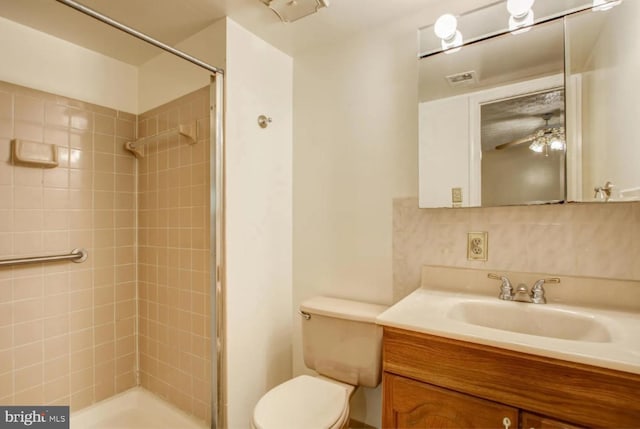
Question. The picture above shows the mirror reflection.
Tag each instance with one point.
(523, 139)
(559, 90)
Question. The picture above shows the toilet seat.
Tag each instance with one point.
(303, 402)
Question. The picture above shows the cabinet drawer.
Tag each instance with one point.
(583, 394)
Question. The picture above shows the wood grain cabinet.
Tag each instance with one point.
(435, 382)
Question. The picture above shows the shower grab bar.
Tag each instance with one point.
(76, 255)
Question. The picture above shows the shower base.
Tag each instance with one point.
(134, 409)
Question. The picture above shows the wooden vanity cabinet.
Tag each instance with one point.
(436, 382)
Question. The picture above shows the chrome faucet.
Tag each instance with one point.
(521, 293)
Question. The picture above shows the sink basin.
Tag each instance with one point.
(530, 319)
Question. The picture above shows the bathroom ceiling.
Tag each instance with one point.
(171, 21)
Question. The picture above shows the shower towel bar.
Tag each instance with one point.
(76, 255)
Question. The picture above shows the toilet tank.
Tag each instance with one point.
(341, 340)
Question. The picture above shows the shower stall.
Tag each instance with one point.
(111, 247)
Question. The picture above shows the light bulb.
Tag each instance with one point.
(537, 147)
(519, 8)
(602, 5)
(556, 144)
(446, 26)
(453, 44)
(521, 24)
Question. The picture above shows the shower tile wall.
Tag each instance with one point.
(66, 329)
(174, 300)
(596, 240)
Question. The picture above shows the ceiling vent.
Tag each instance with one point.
(463, 79)
(293, 10)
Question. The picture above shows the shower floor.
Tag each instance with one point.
(134, 409)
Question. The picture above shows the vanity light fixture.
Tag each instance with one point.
(446, 28)
(602, 5)
(522, 16)
(293, 10)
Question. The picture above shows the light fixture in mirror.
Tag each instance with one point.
(446, 28)
(495, 18)
(521, 15)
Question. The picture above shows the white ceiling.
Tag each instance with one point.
(171, 21)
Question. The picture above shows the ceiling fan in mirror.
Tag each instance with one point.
(543, 140)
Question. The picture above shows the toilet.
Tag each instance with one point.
(343, 344)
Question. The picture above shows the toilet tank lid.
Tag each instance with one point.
(343, 308)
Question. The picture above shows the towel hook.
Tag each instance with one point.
(264, 121)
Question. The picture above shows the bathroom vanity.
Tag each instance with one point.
(432, 381)
(564, 367)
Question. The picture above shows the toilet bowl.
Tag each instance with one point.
(304, 402)
(343, 344)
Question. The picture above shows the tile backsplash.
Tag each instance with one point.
(595, 240)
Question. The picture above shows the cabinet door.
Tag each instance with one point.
(531, 421)
(410, 404)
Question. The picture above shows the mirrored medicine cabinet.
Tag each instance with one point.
(541, 114)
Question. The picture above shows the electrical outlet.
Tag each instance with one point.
(477, 246)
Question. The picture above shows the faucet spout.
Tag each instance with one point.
(522, 293)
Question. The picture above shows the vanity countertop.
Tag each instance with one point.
(437, 312)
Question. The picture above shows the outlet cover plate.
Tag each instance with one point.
(477, 246)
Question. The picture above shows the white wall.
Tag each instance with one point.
(610, 104)
(355, 149)
(40, 61)
(443, 150)
(166, 77)
(259, 221)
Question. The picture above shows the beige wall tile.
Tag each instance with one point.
(76, 323)
(27, 197)
(56, 390)
(32, 396)
(28, 355)
(28, 131)
(28, 378)
(104, 124)
(28, 109)
(82, 140)
(56, 115)
(80, 120)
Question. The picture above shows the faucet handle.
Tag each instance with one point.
(537, 291)
(506, 290)
(540, 282)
